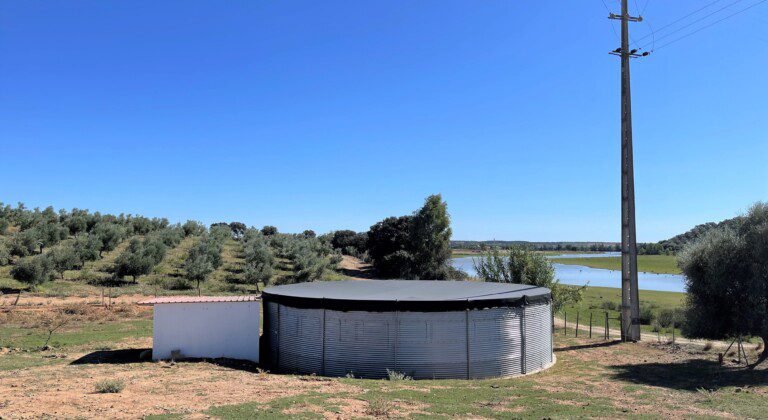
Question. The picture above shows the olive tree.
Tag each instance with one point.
(193, 228)
(109, 234)
(259, 261)
(198, 268)
(33, 270)
(139, 258)
(204, 258)
(5, 253)
(726, 273)
(523, 266)
(268, 230)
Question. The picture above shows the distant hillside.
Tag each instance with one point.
(539, 246)
(676, 243)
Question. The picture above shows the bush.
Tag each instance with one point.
(610, 305)
(666, 317)
(176, 283)
(109, 386)
(523, 266)
(646, 314)
(379, 408)
(397, 376)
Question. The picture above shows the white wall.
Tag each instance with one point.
(207, 330)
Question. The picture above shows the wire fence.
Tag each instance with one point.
(602, 325)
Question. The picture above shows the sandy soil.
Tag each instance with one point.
(150, 388)
(355, 268)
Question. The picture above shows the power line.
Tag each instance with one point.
(712, 24)
(609, 23)
(695, 21)
(682, 18)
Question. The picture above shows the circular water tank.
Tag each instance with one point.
(423, 329)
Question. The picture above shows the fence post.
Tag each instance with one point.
(577, 323)
(565, 323)
(621, 327)
(605, 330)
(590, 325)
(673, 332)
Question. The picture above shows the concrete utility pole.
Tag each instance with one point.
(630, 300)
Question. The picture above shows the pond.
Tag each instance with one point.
(579, 275)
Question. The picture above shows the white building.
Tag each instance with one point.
(206, 327)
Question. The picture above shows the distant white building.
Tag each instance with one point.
(206, 327)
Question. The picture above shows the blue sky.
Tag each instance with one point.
(336, 114)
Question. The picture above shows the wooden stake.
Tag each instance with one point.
(577, 324)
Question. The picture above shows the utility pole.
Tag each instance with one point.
(630, 300)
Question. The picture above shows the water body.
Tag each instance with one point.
(579, 275)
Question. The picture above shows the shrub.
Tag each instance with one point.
(109, 386)
(666, 317)
(379, 407)
(646, 314)
(610, 305)
(524, 266)
(397, 376)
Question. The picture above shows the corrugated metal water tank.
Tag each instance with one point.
(424, 329)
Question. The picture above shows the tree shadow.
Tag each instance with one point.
(12, 290)
(358, 273)
(129, 356)
(589, 346)
(690, 375)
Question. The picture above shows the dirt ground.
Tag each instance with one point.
(591, 378)
(355, 268)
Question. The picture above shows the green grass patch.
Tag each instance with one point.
(597, 300)
(91, 334)
(659, 264)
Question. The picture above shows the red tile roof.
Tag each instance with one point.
(198, 299)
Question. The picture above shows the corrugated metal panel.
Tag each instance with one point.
(359, 343)
(271, 323)
(495, 342)
(423, 345)
(432, 345)
(301, 340)
(538, 337)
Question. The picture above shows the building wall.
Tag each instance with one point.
(207, 330)
(469, 344)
